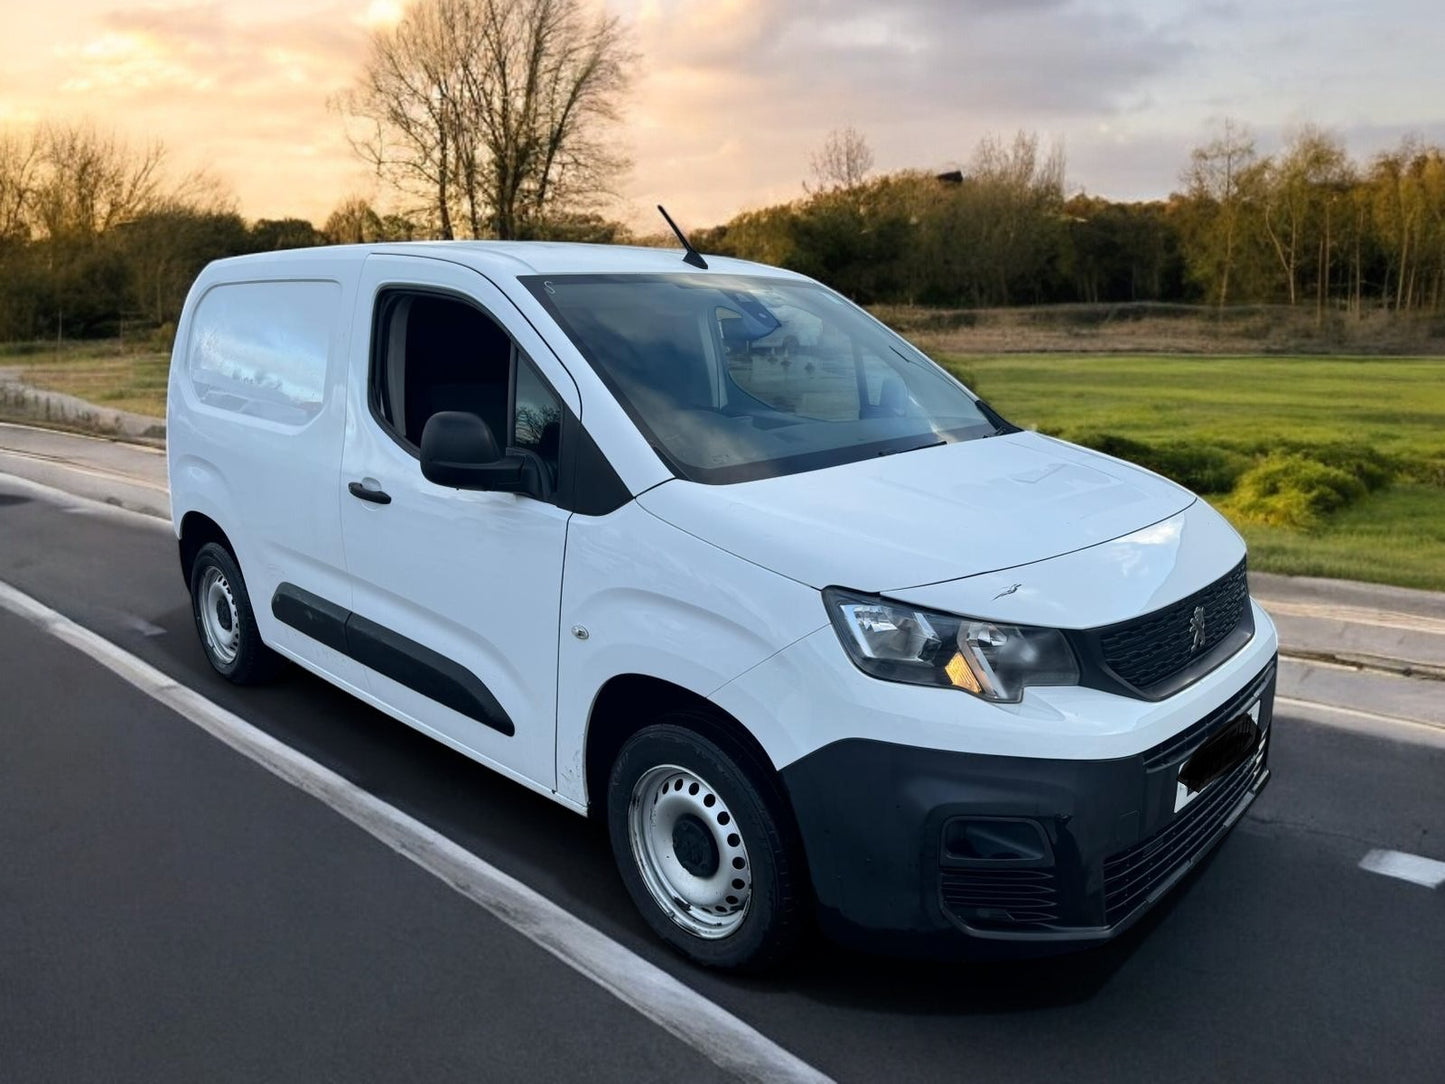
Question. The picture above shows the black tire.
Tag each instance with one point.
(767, 859)
(219, 600)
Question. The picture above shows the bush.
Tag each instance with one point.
(1375, 469)
(1291, 490)
(1430, 471)
(163, 338)
(1203, 468)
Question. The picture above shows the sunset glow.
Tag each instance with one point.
(730, 98)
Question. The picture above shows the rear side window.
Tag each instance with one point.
(261, 348)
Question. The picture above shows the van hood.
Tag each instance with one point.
(926, 516)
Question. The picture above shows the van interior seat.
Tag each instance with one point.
(456, 359)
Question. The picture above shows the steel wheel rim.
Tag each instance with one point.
(220, 620)
(709, 906)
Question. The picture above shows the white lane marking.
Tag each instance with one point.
(1357, 615)
(103, 473)
(1369, 722)
(85, 506)
(1406, 867)
(710, 1029)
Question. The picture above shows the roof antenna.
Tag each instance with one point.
(691, 256)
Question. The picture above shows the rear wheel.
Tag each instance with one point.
(225, 621)
(705, 846)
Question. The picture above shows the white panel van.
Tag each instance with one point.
(708, 552)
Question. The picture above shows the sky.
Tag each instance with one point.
(732, 97)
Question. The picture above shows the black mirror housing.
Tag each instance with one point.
(460, 450)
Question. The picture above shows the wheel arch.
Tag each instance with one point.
(629, 702)
(197, 529)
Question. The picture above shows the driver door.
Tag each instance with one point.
(455, 592)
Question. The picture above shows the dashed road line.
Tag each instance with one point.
(1414, 868)
(717, 1034)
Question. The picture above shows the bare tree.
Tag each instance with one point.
(1298, 190)
(1015, 194)
(1216, 180)
(843, 162)
(493, 112)
(406, 103)
(19, 174)
(92, 181)
(353, 222)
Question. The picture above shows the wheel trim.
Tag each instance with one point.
(219, 618)
(710, 907)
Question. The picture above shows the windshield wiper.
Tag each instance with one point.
(915, 448)
(1000, 424)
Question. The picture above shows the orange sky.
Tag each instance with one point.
(732, 96)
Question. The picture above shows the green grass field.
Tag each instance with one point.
(1203, 420)
(1358, 413)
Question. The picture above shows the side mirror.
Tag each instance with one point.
(460, 450)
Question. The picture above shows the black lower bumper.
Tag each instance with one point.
(917, 850)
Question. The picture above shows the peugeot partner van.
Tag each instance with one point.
(705, 551)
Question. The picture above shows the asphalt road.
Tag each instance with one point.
(168, 910)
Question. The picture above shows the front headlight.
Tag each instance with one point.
(898, 642)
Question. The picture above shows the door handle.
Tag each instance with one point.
(375, 496)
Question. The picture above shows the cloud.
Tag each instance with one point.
(744, 91)
(733, 96)
(242, 92)
(199, 48)
(1048, 56)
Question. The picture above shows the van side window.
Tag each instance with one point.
(261, 348)
(433, 353)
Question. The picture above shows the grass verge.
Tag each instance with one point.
(108, 374)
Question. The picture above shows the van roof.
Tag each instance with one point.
(514, 257)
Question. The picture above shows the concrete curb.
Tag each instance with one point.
(1346, 594)
(19, 401)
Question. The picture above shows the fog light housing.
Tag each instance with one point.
(980, 841)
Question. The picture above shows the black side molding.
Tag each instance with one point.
(311, 614)
(405, 661)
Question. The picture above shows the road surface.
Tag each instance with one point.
(170, 910)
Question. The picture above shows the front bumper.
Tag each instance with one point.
(888, 833)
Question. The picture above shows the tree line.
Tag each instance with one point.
(496, 119)
(96, 234)
(1308, 226)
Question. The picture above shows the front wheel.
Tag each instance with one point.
(225, 621)
(705, 847)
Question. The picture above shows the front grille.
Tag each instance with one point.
(1186, 741)
(1130, 876)
(1151, 649)
(1001, 897)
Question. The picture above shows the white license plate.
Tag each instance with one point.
(1183, 794)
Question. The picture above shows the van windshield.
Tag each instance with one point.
(737, 378)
